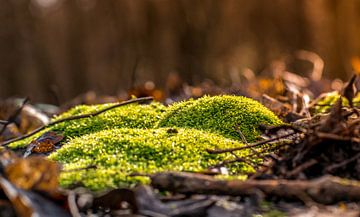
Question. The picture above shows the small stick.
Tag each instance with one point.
(301, 168)
(331, 136)
(77, 117)
(80, 169)
(226, 162)
(251, 145)
(341, 164)
(4, 122)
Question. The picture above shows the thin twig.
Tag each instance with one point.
(79, 169)
(301, 168)
(331, 136)
(220, 151)
(247, 158)
(226, 162)
(237, 128)
(4, 122)
(77, 117)
(341, 164)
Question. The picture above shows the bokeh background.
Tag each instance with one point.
(53, 50)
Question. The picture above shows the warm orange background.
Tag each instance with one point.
(71, 46)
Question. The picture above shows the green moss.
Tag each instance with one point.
(120, 152)
(325, 103)
(137, 138)
(129, 116)
(220, 114)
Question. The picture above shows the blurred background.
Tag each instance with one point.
(54, 50)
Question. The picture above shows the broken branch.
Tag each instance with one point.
(326, 190)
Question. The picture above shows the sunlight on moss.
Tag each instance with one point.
(129, 116)
(220, 114)
(324, 105)
(120, 152)
(152, 138)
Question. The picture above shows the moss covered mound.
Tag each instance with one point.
(120, 152)
(151, 138)
(129, 116)
(220, 114)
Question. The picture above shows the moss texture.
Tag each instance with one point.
(120, 152)
(152, 138)
(220, 114)
(129, 116)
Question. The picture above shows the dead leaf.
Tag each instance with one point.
(35, 173)
(44, 144)
(30, 204)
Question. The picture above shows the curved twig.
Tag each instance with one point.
(143, 99)
(220, 151)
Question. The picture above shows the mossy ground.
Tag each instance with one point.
(129, 116)
(221, 114)
(152, 138)
(120, 152)
(325, 104)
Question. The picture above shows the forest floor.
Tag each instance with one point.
(313, 171)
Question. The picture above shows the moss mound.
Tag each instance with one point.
(220, 114)
(151, 138)
(129, 116)
(120, 152)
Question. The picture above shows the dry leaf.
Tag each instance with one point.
(44, 144)
(35, 173)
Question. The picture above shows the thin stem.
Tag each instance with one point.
(220, 151)
(77, 117)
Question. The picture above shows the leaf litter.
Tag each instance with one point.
(313, 170)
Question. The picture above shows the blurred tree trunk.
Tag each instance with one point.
(113, 45)
(10, 49)
(76, 37)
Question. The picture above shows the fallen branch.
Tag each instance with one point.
(77, 117)
(325, 190)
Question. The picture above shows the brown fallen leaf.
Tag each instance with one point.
(44, 144)
(36, 173)
(29, 203)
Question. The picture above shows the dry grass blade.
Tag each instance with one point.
(257, 144)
